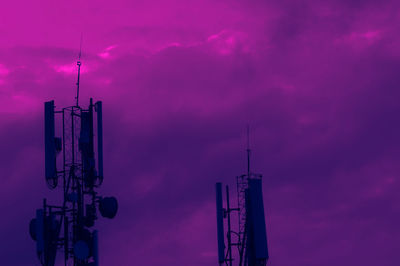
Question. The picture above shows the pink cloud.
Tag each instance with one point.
(3, 70)
(361, 40)
(106, 52)
(227, 42)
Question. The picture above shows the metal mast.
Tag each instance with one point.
(251, 232)
(69, 226)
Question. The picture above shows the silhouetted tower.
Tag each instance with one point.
(250, 239)
(71, 159)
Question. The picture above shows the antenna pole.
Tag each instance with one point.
(79, 73)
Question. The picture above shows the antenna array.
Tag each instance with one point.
(68, 227)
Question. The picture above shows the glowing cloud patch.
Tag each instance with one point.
(105, 54)
(69, 69)
(227, 41)
(3, 70)
(361, 39)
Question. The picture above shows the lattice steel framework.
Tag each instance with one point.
(69, 227)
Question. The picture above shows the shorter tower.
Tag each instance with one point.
(250, 239)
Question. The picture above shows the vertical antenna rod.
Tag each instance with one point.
(79, 73)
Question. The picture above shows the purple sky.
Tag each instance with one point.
(316, 80)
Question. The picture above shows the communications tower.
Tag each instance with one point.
(250, 238)
(71, 163)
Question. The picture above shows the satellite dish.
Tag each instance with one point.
(32, 228)
(81, 250)
(108, 207)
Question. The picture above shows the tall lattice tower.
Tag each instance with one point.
(71, 160)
